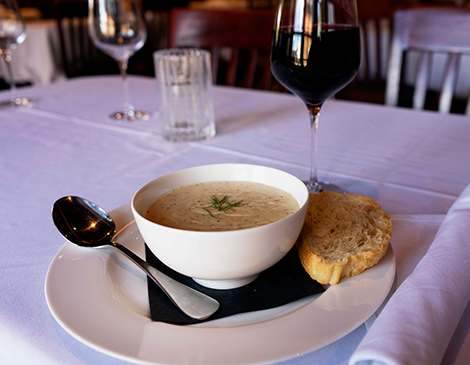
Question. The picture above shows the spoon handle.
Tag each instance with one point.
(191, 302)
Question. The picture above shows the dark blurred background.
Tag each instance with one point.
(376, 18)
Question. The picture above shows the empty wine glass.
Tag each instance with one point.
(315, 53)
(117, 28)
(12, 33)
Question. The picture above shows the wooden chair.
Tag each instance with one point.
(369, 84)
(239, 41)
(141, 63)
(376, 28)
(79, 56)
(375, 21)
(428, 31)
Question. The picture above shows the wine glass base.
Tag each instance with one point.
(325, 186)
(19, 102)
(131, 115)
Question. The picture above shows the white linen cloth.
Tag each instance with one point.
(417, 324)
(411, 162)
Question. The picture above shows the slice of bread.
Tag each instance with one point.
(343, 235)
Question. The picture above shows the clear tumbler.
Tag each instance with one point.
(184, 89)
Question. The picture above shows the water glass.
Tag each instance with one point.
(185, 99)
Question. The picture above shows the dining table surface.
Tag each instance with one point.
(415, 164)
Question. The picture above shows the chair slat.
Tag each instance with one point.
(384, 45)
(251, 68)
(76, 43)
(362, 72)
(65, 40)
(393, 74)
(449, 82)
(232, 68)
(215, 54)
(421, 85)
(372, 51)
(83, 33)
(267, 78)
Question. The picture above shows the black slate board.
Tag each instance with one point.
(283, 283)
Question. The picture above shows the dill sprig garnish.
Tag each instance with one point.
(222, 205)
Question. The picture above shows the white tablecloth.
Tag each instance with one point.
(37, 60)
(413, 163)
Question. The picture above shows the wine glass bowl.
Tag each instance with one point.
(315, 53)
(12, 33)
(117, 28)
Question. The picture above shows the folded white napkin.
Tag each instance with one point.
(417, 324)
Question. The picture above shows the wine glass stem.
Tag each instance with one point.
(123, 68)
(313, 185)
(11, 79)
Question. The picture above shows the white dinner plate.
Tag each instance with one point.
(101, 299)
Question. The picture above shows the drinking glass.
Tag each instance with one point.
(117, 28)
(12, 33)
(315, 52)
(185, 95)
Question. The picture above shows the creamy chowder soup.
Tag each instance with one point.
(222, 206)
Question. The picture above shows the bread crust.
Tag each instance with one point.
(343, 235)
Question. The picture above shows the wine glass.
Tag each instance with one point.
(315, 52)
(12, 33)
(117, 28)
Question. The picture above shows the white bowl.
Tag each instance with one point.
(222, 259)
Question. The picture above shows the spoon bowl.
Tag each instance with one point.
(86, 224)
(83, 222)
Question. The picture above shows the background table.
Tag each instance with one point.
(37, 60)
(412, 163)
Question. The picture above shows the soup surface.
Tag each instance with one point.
(222, 206)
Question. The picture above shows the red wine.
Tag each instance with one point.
(315, 66)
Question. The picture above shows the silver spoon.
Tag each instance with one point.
(86, 224)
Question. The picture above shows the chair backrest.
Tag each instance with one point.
(375, 19)
(79, 56)
(428, 31)
(240, 39)
(157, 29)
